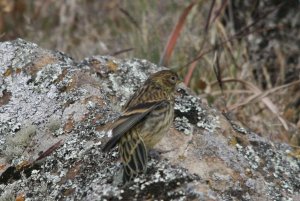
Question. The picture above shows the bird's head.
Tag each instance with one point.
(166, 80)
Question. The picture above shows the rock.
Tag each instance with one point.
(54, 114)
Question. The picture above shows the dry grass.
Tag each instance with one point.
(240, 79)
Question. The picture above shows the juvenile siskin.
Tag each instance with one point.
(147, 117)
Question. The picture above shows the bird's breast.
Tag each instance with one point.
(157, 124)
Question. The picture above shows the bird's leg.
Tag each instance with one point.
(155, 153)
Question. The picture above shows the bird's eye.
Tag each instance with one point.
(173, 79)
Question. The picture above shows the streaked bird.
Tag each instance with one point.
(146, 118)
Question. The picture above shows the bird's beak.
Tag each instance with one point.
(179, 87)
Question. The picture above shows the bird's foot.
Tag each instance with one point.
(154, 154)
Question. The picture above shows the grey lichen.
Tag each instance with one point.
(7, 196)
(280, 170)
(183, 125)
(188, 111)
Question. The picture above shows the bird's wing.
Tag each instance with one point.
(130, 118)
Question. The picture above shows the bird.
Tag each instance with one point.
(146, 118)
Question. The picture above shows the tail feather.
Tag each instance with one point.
(134, 156)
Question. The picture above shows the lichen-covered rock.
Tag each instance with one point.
(56, 109)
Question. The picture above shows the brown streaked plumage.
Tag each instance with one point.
(147, 116)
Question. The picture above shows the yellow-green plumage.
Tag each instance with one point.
(147, 116)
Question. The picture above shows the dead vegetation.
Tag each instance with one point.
(241, 56)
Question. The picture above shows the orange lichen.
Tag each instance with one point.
(23, 165)
(20, 197)
(5, 98)
(68, 127)
(112, 66)
(61, 76)
(2, 166)
(8, 72)
(73, 171)
(69, 191)
(40, 63)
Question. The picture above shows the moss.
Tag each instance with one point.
(54, 124)
(15, 145)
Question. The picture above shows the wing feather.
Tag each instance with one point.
(130, 118)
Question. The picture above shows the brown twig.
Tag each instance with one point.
(49, 150)
(209, 15)
(164, 61)
(121, 51)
